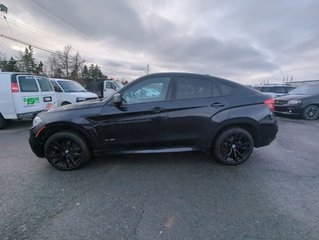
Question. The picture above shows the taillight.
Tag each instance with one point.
(14, 87)
(270, 103)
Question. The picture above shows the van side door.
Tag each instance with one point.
(48, 97)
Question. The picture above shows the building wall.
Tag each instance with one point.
(301, 83)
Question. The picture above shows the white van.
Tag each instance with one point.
(69, 92)
(22, 96)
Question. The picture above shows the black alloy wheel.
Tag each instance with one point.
(66, 151)
(233, 146)
(311, 112)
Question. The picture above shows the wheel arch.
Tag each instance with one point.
(250, 125)
(51, 129)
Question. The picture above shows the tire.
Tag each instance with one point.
(66, 151)
(311, 112)
(3, 122)
(233, 146)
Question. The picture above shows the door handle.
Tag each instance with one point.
(157, 110)
(217, 105)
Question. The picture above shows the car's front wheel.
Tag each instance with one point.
(233, 146)
(66, 151)
(311, 112)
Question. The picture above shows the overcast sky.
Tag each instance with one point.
(246, 41)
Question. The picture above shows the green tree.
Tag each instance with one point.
(95, 71)
(85, 72)
(9, 66)
(27, 62)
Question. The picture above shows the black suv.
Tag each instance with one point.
(176, 111)
(303, 101)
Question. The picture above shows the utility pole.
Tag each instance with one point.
(147, 69)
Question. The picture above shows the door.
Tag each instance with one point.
(139, 122)
(48, 96)
(195, 101)
(28, 98)
(109, 88)
(58, 91)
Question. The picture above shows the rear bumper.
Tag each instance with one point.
(268, 129)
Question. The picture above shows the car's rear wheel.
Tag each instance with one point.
(311, 112)
(233, 146)
(66, 151)
(3, 122)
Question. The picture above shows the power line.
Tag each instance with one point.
(59, 54)
(42, 34)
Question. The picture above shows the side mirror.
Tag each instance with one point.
(117, 99)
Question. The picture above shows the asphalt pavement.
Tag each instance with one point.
(273, 195)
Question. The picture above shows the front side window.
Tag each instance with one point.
(44, 84)
(56, 87)
(27, 84)
(150, 90)
(190, 88)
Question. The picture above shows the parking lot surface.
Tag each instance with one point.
(274, 195)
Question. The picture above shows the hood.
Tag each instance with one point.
(84, 94)
(80, 105)
(290, 97)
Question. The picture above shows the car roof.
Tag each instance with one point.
(60, 79)
(272, 85)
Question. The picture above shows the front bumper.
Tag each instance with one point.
(293, 110)
(36, 143)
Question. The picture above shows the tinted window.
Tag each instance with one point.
(190, 88)
(27, 84)
(108, 85)
(267, 89)
(224, 89)
(71, 86)
(44, 84)
(56, 87)
(306, 90)
(150, 90)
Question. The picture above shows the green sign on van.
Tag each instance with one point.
(31, 100)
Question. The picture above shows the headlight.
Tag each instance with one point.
(293, 102)
(80, 99)
(36, 121)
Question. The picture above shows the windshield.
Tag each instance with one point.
(118, 84)
(71, 86)
(306, 90)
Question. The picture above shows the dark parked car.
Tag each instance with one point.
(303, 101)
(184, 112)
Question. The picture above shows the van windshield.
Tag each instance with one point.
(71, 86)
(118, 84)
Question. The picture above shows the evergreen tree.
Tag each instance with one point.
(95, 71)
(85, 72)
(9, 66)
(27, 63)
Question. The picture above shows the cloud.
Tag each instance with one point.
(241, 40)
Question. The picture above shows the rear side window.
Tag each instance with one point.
(224, 89)
(190, 88)
(44, 84)
(27, 84)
